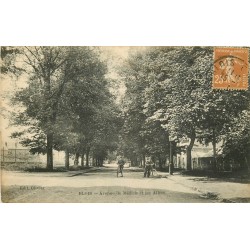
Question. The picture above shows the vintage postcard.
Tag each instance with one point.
(125, 124)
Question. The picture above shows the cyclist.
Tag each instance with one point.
(148, 167)
(120, 164)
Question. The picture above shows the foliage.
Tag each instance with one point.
(67, 104)
(173, 86)
(141, 136)
(236, 141)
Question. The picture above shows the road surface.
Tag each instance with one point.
(97, 185)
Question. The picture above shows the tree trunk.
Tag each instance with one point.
(247, 165)
(82, 160)
(87, 157)
(189, 158)
(76, 162)
(164, 163)
(214, 151)
(133, 162)
(171, 163)
(67, 159)
(49, 151)
(189, 151)
(143, 160)
(160, 163)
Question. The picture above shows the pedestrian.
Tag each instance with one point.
(148, 167)
(120, 163)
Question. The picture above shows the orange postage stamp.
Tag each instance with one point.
(230, 68)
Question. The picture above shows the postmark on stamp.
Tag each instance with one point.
(230, 68)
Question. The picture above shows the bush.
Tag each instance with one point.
(21, 166)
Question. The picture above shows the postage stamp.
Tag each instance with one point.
(230, 68)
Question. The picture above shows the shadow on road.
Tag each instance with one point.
(109, 171)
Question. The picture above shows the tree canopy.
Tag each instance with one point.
(174, 87)
(68, 104)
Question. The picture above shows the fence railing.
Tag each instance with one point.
(17, 155)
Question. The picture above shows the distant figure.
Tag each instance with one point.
(120, 164)
(148, 167)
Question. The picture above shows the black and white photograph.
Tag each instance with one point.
(125, 124)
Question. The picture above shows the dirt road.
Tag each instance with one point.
(99, 185)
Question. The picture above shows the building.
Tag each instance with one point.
(202, 156)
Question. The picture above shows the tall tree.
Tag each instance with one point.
(142, 134)
(50, 70)
(177, 92)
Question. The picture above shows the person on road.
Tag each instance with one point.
(148, 167)
(120, 164)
